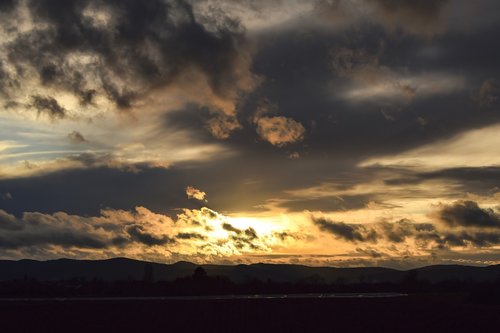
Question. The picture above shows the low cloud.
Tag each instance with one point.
(76, 137)
(467, 214)
(393, 232)
(348, 232)
(202, 234)
(229, 227)
(462, 224)
(114, 228)
(194, 193)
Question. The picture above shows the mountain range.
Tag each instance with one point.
(129, 269)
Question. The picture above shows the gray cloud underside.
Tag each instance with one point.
(136, 47)
(69, 231)
(113, 230)
(299, 79)
(462, 224)
(248, 189)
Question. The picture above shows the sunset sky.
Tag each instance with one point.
(320, 132)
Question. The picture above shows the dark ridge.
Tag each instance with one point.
(130, 269)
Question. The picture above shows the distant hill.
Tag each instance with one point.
(129, 269)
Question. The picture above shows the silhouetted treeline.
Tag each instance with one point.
(201, 284)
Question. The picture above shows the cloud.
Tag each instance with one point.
(194, 193)
(111, 229)
(415, 17)
(92, 54)
(258, 16)
(462, 224)
(424, 18)
(467, 180)
(6, 196)
(245, 238)
(489, 93)
(280, 131)
(222, 126)
(348, 232)
(349, 62)
(391, 232)
(463, 238)
(467, 214)
(372, 80)
(76, 137)
(328, 202)
(48, 105)
(196, 234)
(9, 222)
(466, 150)
(277, 130)
(138, 234)
(230, 228)
(190, 235)
(380, 118)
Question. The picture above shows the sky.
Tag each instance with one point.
(322, 132)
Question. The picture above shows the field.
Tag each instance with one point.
(415, 313)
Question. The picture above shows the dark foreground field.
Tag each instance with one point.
(401, 314)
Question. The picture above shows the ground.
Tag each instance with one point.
(415, 313)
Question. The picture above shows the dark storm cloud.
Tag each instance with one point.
(35, 229)
(229, 227)
(468, 214)
(464, 238)
(300, 78)
(461, 224)
(393, 232)
(48, 105)
(250, 233)
(76, 137)
(135, 46)
(110, 229)
(190, 235)
(302, 85)
(297, 65)
(348, 232)
(244, 238)
(445, 239)
(139, 234)
(65, 240)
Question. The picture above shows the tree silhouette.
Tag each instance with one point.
(199, 273)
